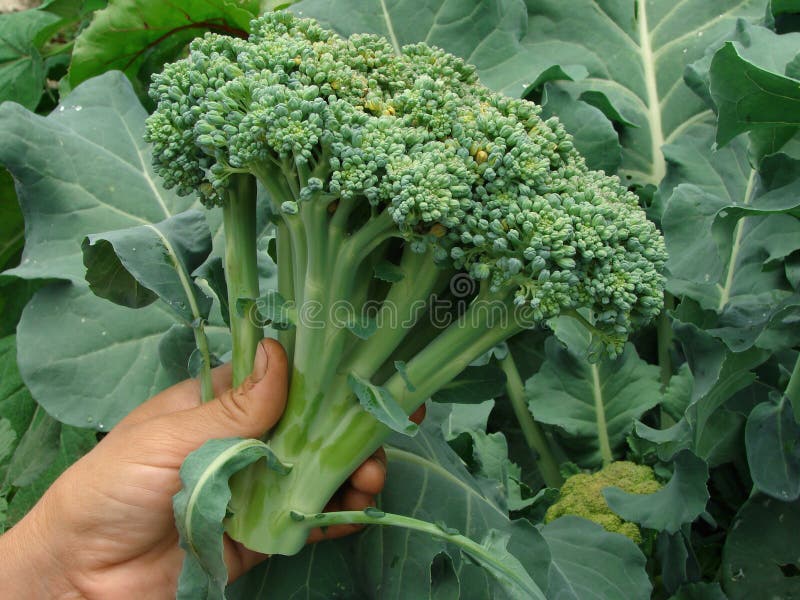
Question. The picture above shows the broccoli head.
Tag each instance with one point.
(582, 496)
(390, 172)
(411, 136)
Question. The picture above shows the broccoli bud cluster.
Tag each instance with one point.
(582, 496)
(496, 190)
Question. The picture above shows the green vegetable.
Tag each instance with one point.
(582, 496)
(371, 157)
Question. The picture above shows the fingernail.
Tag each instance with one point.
(260, 363)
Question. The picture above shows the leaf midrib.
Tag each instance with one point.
(658, 163)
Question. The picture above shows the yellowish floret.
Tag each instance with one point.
(582, 496)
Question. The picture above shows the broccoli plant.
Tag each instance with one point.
(389, 174)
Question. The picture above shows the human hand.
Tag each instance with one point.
(105, 528)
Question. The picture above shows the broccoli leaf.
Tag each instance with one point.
(635, 53)
(589, 563)
(594, 136)
(760, 553)
(474, 385)
(200, 509)
(681, 501)
(175, 349)
(64, 331)
(595, 404)
(133, 266)
(46, 449)
(272, 308)
(378, 402)
(387, 271)
(718, 374)
(321, 571)
(96, 132)
(742, 223)
(22, 68)
(772, 440)
(138, 36)
(210, 278)
(431, 483)
(749, 97)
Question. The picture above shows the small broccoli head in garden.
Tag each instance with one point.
(411, 135)
(582, 496)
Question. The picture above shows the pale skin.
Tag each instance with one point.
(106, 524)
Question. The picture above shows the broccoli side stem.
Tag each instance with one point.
(504, 572)
(241, 271)
(537, 441)
(404, 305)
(664, 335)
(475, 332)
(319, 341)
(290, 234)
(285, 284)
(206, 384)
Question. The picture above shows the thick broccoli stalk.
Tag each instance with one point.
(582, 496)
(389, 173)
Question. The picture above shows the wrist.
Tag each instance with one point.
(30, 567)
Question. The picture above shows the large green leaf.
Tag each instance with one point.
(594, 404)
(749, 47)
(322, 571)
(772, 439)
(137, 36)
(84, 168)
(740, 221)
(718, 375)
(427, 481)
(473, 385)
(749, 97)
(494, 35)
(16, 403)
(135, 266)
(71, 342)
(635, 52)
(45, 451)
(681, 501)
(760, 553)
(590, 563)
(22, 69)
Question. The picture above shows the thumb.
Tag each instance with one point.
(248, 410)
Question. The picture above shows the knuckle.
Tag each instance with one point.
(234, 403)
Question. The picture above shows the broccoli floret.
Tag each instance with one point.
(582, 496)
(376, 158)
